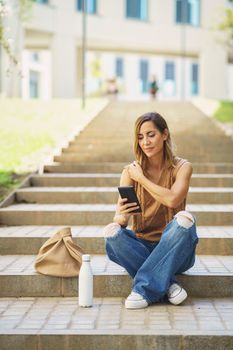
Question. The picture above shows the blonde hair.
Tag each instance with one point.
(160, 124)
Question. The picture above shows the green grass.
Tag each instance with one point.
(8, 181)
(31, 129)
(225, 112)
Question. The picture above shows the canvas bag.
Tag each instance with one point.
(59, 255)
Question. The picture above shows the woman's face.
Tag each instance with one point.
(150, 139)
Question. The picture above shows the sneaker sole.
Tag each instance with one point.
(135, 305)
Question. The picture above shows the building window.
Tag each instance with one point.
(41, 1)
(169, 71)
(188, 12)
(119, 67)
(91, 6)
(34, 84)
(137, 9)
(35, 56)
(194, 79)
(144, 75)
(169, 77)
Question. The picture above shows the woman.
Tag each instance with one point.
(163, 238)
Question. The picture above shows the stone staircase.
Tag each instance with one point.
(79, 190)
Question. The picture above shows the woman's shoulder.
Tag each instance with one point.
(178, 161)
(125, 169)
(126, 166)
(125, 178)
(181, 162)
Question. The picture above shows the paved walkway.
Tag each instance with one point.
(64, 316)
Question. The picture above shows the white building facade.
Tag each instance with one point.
(128, 41)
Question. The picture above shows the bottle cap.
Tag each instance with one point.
(86, 257)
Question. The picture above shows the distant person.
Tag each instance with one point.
(163, 237)
(153, 88)
(112, 88)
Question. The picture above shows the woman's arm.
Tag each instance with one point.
(123, 214)
(169, 197)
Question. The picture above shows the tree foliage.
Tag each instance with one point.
(22, 11)
(227, 24)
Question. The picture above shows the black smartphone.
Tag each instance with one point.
(129, 193)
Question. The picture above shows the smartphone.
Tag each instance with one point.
(129, 193)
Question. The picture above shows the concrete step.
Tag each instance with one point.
(109, 195)
(95, 134)
(92, 142)
(92, 157)
(201, 142)
(98, 214)
(211, 195)
(98, 137)
(89, 147)
(218, 154)
(125, 153)
(117, 155)
(201, 149)
(59, 323)
(211, 276)
(201, 145)
(110, 167)
(212, 180)
(103, 179)
(28, 239)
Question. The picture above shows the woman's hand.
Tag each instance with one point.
(126, 209)
(135, 171)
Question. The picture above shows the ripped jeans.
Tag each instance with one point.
(153, 265)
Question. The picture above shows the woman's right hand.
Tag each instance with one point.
(126, 209)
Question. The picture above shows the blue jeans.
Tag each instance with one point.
(153, 265)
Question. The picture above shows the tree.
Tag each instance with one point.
(22, 10)
(227, 24)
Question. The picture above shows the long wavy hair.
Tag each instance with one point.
(160, 124)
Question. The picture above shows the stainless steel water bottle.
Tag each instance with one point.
(85, 286)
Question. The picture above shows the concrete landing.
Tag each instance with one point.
(59, 323)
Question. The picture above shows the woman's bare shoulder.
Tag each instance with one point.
(182, 166)
(125, 178)
(185, 168)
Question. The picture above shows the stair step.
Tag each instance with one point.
(28, 239)
(110, 145)
(212, 143)
(113, 179)
(109, 195)
(59, 323)
(118, 167)
(117, 155)
(211, 276)
(211, 195)
(122, 151)
(76, 158)
(98, 214)
(111, 148)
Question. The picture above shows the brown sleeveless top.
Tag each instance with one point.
(150, 224)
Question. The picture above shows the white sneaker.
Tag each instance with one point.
(135, 301)
(176, 294)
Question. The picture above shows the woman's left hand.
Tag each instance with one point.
(135, 171)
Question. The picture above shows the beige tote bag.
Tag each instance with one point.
(59, 256)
